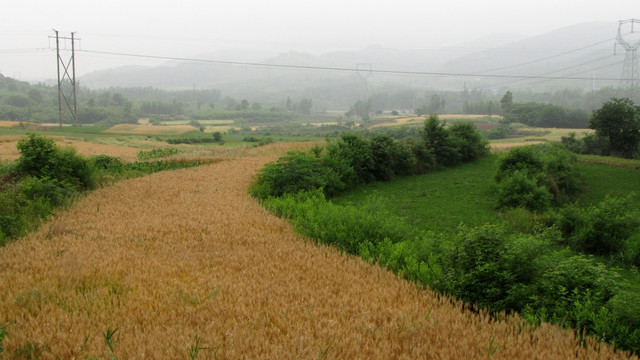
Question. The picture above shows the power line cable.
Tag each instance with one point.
(337, 69)
(559, 70)
(549, 57)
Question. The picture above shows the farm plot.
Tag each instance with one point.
(158, 266)
(149, 129)
(9, 151)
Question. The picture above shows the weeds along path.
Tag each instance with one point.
(186, 259)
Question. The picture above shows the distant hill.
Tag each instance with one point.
(584, 50)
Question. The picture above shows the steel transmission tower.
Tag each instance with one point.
(630, 69)
(66, 77)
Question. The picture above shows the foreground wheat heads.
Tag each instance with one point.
(185, 263)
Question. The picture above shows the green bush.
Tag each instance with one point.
(596, 145)
(425, 159)
(439, 140)
(521, 190)
(494, 269)
(391, 158)
(524, 159)
(40, 157)
(106, 162)
(469, 142)
(562, 178)
(295, 172)
(356, 151)
(52, 191)
(343, 226)
(534, 176)
(608, 228)
(573, 144)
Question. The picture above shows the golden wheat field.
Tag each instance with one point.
(185, 258)
(9, 151)
(149, 129)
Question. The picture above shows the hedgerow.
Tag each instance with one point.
(353, 159)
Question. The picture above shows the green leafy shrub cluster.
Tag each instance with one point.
(354, 159)
(42, 158)
(536, 177)
(610, 228)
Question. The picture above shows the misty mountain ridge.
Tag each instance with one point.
(584, 49)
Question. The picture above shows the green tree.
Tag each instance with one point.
(506, 102)
(619, 120)
(361, 108)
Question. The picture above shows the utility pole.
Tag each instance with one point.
(630, 71)
(66, 77)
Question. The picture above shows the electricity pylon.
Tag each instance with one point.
(630, 72)
(69, 99)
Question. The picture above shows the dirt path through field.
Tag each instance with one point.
(178, 256)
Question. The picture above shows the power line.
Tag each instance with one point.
(341, 69)
(563, 69)
(549, 57)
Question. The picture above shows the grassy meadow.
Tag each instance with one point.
(438, 201)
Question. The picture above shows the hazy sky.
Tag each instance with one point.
(189, 27)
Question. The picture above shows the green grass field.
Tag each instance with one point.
(437, 201)
(441, 200)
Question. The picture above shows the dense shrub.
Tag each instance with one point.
(353, 159)
(533, 176)
(563, 180)
(40, 157)
(573, 144)
(440, 141)
(523, 159)
(469, 142)
(356, 151)
(618, 121)
(608, 228)
(493, 268)
(522, 190)
(391, 158)
(295, 172)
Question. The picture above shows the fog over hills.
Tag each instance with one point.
(584, 51)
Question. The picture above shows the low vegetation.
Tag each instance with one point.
(518, 265)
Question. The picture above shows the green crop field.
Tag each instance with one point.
(437, 201)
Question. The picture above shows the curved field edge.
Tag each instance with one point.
(177, 256)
